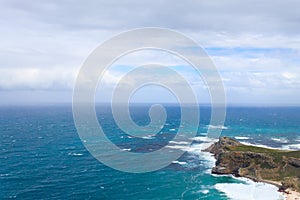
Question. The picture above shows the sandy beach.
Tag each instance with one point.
(291, 195)
(288, 193)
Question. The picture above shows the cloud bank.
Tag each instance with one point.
(254, 44)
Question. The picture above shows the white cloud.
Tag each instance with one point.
(37, 78)
(43, 44)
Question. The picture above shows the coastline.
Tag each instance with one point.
(258, 189)
(291, 195)
(287, 196)
(288, 193)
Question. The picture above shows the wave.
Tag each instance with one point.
(283, 147)
(241, 138)
(126, 149)
(148, 137)
(248, 189)
(182, 142)
(196, 150)
(281, 140)
(180, 147)
(291, 147)
(198, 147)
(217, 127)
(209, 161)
(205, 141)
(204, 191)
(75, 154)
(3, 175)
(178, 162)
(259, 145)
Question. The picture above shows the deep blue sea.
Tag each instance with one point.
(42, 157)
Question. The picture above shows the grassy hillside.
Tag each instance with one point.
(257, 163)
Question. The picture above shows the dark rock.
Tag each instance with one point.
(294, 162)
(256, 163)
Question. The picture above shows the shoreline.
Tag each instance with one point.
(291, 195)
(287, 196)
(246, 181)
(288, 193)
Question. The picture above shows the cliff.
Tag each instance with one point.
(257, 163)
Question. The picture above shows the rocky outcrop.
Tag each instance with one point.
(222, 145)
(294, 162)
(256, 163)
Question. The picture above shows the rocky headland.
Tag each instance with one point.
(273, 166)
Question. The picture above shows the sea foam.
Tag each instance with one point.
(241, 138)
(281, 140)
(291, 147)
(259, 145)
(249, 190)
(178, 162)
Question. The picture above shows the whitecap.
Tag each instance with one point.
(281, 140)
(178, 162)
(205, 141)
(126, 149)
(208, 160)
(204, 191)
(75, 154)
(148, 137)
(2, 175)
(217, 127)
(181, 142)
(241, 138)
(259, 145)
(291, 147)
(180, 147)
(172, 129)
(194, 149)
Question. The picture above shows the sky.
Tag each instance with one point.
(255, 45)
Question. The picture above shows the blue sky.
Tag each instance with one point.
(255, 46)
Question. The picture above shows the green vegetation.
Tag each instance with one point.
(257, 163)
(275, 153)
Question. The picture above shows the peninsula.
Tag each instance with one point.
(273, 166)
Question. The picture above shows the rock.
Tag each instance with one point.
(257, 163)
(221, 145)
(294, 162)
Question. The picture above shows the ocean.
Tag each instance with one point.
(42, 156)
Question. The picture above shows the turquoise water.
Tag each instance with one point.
(42, 156)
